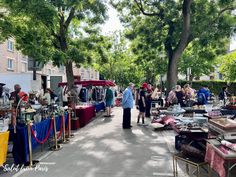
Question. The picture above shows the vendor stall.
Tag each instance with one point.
(219, 157)
(40, 132)
(90, 83)
(85, 114)
(91, 94)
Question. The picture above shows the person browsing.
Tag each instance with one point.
(127, 104)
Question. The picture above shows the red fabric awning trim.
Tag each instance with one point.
(90, 82)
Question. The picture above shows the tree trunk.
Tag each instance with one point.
(69, 74)
(174, 55)
(172, 73)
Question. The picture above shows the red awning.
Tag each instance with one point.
(90, 83)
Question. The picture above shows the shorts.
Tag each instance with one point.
(141, 108)
(108, 103)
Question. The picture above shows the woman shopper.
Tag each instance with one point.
(148, 101)
(109, 99)
(180, 95)
(189, 95)
(142, 103)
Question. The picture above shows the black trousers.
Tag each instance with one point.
(126, 117)
(148, 108)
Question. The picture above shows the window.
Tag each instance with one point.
(10, 45)
(24, 58)
(23, 67)
(10, 64)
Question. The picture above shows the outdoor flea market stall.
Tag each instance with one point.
(91, 95)
(205, 135)
(28, 122)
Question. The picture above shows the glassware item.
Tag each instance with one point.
(208, 107)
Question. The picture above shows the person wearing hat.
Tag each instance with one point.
(142, 103)
(148, 101)
(127, 104)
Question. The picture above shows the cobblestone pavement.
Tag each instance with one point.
(104, 149)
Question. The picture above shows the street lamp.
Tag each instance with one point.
(162, 56)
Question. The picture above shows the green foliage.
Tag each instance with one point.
(116, 62)
(152, 61)
(58, 30)
(214, 86)
(200, 59)
(158, 26)
(228, 66)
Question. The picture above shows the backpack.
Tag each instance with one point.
(109, 94)
(201, 98)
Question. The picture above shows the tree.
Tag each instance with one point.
(116, 62)
(228, 66)
(44, 29)
(201, 60)
(173, 25)
(148, 58)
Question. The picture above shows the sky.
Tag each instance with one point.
(113, 24)
(233, 43)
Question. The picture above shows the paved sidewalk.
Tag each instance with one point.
(104, 149)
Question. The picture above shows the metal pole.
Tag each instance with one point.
(161, 85)
(30, 146)
(34, 70)
(55, 132)
(70, 135)
(64, 128)
(69, 123)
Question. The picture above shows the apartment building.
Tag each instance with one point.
(86, 73)
(11, 60)
(14, 68)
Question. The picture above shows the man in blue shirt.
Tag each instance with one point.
(127, 104)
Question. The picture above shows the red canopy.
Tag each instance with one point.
(90, 83)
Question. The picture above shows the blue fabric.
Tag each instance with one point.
(99, 106)
(127, 100)
(108, 103)
(205, 92)
(20, 139)
(20, 144)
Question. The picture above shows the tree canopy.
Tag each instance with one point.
(171, 26)
(117, 62)
(228, 66)
(59, 30)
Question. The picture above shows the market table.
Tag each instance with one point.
(195, 137)
(85, 114)
(216, 160)
(20, 138)
(228, 112)
(4, 136)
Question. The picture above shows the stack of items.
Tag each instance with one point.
(232, 103)
(4, 124)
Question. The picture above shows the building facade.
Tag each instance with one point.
(13, 62)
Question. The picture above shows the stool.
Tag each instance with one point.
(189, 161)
